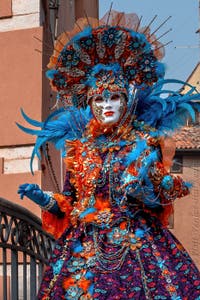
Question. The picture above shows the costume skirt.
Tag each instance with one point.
(129, 259)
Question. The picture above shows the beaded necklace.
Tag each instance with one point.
(110, 261)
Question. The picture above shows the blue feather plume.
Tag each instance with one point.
(167, 110)
(60, 126)
(141, 145)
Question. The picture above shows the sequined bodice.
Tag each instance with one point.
(102, 178)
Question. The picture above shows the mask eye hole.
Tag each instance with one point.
(115, 97)
(98, 99)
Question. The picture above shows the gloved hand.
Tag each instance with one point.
(44, 199)
(33, 192)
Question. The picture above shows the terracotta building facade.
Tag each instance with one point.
(186, 219)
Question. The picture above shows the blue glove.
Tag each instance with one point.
(33, 192)
(45, 200)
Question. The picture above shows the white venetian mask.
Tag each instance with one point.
(108, 108)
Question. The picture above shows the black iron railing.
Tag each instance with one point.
(24, 250)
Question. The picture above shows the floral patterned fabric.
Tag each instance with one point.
(139, 261)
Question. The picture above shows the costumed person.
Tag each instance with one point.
(110, 221)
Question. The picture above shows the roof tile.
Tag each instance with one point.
(188, 138)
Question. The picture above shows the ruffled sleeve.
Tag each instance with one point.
(56, 224)
(169, 188)
(167, 185)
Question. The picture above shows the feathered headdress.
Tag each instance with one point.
(115, 44)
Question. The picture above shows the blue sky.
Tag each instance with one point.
(180, 58)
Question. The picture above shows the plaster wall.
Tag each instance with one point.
(187, 210)
(20, 87)
(5, 8)
(21, 83)
(19, 14)
(17, 160)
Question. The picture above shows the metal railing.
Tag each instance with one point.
(24, 250)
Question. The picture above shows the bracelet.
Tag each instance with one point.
(51, 203)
